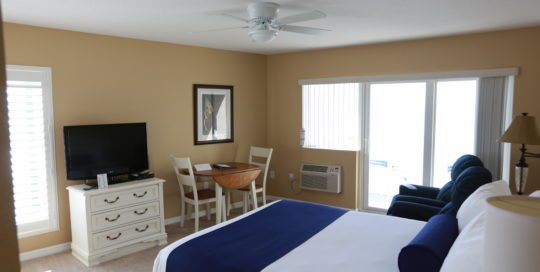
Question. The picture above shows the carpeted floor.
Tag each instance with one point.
(140, 261)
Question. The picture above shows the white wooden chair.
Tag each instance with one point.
(192, 196)
(260, 183)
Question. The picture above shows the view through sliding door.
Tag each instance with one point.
(415, 131)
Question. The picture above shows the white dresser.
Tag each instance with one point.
(113, 222)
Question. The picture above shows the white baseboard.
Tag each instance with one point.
(177, 219)
(46, 251)
(273, 198)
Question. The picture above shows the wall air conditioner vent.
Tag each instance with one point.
(315, 168)
(317, 177)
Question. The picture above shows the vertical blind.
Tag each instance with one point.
(31, 149)
(331, 116)
(490, 123)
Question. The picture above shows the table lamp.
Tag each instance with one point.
(522, 131)
(512, 236)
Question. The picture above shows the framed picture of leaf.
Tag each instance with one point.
(213, 114)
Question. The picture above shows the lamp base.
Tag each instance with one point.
(522, 172)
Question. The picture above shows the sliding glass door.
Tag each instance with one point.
(415, 131)
(396, 138)
(455, 126)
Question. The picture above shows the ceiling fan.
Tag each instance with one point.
(264, 25)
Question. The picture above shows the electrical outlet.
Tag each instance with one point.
(272, 174)
(290, 177)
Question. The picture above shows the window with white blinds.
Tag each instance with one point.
(331, 116)
(31, 135)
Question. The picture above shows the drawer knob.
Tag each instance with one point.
(141, 195)
(113, 219)
(142, 230)
(114, 238)
(140, 213)
(111, 201)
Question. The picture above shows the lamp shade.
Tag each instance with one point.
(512, 237)
(523, 130)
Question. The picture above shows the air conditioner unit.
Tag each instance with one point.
(318, 177)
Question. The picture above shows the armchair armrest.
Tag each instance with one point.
(419, 200)
(411, 210)
(418, 190)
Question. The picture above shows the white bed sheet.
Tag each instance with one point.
(357, 241)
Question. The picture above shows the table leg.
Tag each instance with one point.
(254, 195)
(219, 202)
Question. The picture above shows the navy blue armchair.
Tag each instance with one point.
(422, 202)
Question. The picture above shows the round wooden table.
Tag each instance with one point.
(240, 175)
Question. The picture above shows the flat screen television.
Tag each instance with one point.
(115, 149)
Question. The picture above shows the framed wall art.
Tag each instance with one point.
(213, 114)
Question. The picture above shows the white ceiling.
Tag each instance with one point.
(351, 21)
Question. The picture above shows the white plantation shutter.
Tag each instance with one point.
(31, 136)
(331, 116)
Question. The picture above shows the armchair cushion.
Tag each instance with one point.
(470, 180)
(411, 210)
(418, 190)
(462, 163)
(419, 200)
(445, 193)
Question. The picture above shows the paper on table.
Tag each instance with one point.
(202, 167)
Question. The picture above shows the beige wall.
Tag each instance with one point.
(516, 48)
(9, 250)
(101, 79)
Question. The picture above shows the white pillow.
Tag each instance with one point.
(475, 203)
(535, 194)
(467, 252)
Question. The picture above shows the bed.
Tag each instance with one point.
(293, 236)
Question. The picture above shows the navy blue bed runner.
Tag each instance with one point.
(256, 241)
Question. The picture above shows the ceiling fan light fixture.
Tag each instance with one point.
(264, 25)
(263, 35)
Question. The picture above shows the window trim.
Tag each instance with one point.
(450, 75)
(43, 74)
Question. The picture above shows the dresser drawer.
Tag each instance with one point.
(123, 198)
(119, 217)
(126, 234)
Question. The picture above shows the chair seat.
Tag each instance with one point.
(202, 194)
(247, 188)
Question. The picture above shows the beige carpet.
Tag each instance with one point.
(140, 261)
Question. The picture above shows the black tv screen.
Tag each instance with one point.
(115, 149)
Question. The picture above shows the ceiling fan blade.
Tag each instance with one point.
(236, 17)
(221, 29)
(306, 16)
(304, 29)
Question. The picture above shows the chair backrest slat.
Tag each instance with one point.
(184, 174)
(261, 152)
